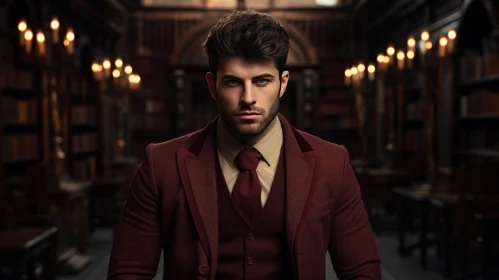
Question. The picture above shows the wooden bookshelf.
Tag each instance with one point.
(477, 102)
(336, 117)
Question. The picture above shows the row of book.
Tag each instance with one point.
(20, 147)
(19, 111)
(85, 142)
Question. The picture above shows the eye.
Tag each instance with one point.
(232, 83)
(262, 82)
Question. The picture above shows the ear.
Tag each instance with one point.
(284, 82)
(212, 84)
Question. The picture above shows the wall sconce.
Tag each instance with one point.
(22, 27)
(28, 37)
(69, 41)
(40, 39)
(54, 25)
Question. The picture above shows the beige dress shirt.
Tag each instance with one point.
(269, 145)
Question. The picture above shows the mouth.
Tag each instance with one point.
(248, 116)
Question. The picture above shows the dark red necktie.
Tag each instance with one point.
(247, 189)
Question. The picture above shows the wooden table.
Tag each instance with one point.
(22, 248)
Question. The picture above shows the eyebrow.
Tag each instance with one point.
(265, 75)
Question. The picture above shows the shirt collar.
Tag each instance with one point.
(269, 144)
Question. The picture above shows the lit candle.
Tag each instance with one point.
(410, 56)
(97, 70)
(370, 70)
(54, 25)
(106, 64)
(348, 76)
(354, 72)
(390, 51)
(400, 59)
(452, 37)
(362, 68)
(118, 63)
(425, 36)
(28, 37)
(116, 76)
(22, 27)
(69, 41)
(381, 61)
(40, 39)
(411, 43)
(442, 46)
(128, 69)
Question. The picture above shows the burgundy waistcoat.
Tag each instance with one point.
(258, 250)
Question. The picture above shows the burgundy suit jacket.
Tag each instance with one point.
(172, 206)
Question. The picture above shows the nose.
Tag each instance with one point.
(248, 96)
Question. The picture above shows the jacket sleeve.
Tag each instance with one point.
(352, 245)
(137, 248)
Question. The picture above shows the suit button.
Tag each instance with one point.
(250, 260)
(251, 236)
(203, 269)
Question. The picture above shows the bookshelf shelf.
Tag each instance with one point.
(20, 128)
(18, 93)
(485, 153)
(483, 83)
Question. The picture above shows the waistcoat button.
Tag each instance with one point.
(203, 269)
(251, 236)
(250, 260)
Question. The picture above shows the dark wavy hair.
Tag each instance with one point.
(248, 34)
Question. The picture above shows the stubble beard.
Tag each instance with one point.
(248, 128)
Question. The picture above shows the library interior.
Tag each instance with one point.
(410, 88)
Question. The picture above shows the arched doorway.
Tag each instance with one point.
(190, 60)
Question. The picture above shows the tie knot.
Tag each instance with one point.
(247, 159)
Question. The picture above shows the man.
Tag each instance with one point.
(249, 196)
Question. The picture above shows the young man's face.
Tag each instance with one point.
(247, 93)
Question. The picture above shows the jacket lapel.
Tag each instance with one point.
(301, 173)
(197, 171)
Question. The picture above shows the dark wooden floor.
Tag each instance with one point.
(393, 266)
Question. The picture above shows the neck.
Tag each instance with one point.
(249, 140)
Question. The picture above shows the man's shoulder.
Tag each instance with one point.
(171, 146)
(319, 144)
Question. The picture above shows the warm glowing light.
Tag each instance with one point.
(380, 58)
(410, 54)
(411, 42)
(371, 68)
(361, 67)
(348, 73)
(116, 73)
(354, 70)
(452, 34)
(96, 67)
(22, 26)
(400, 55)
(118, 63)
(425, 36)
(428, 45)
(128, 69)
(54, 24)
(70, 36)
(40, 37)
(443, 41)
(386, 59)
(28, 35)
(390, 50)
(106, 64)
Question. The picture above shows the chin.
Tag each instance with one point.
(249, 129)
